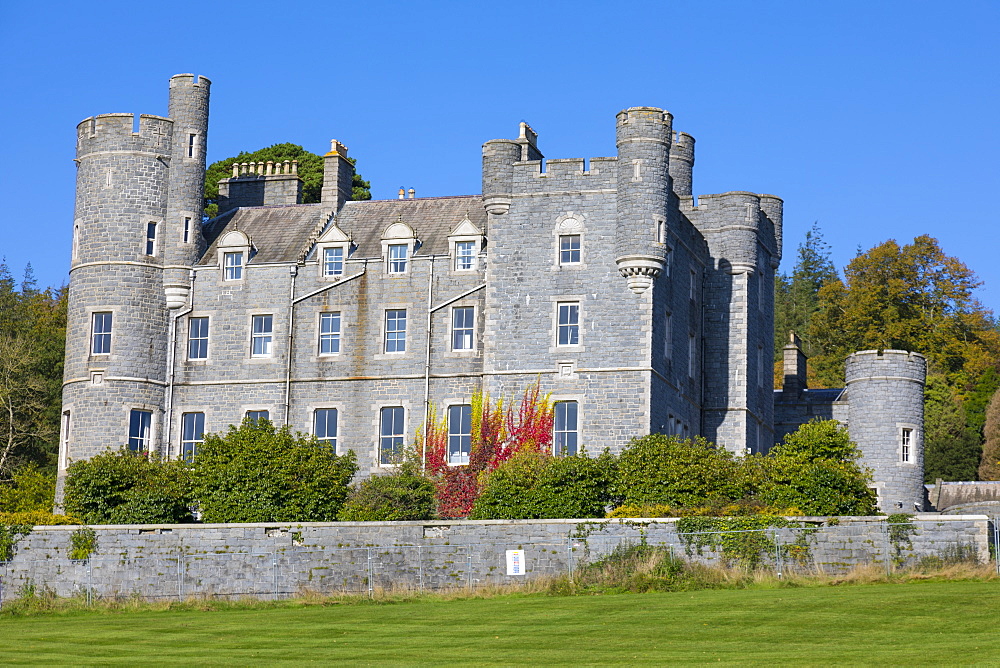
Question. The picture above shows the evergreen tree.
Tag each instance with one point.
(310, 171)
(989, 466)
(952, 451)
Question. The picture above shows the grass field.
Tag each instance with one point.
(943, 623)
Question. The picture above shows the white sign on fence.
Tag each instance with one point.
(515, 562)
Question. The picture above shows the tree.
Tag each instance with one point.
(256, 473)
(952, 450)
(310, 171)
(797, 296)
(403, 494)
(911, 297)
(126, 487)
(989, 467)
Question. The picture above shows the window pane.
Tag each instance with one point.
(391, 434)
(325, 425)
(329, 333)
(233, 263)
(333, 261)
(261, 337)
(138, 430)
(462, 327)
(395, 331)
(465, 254)
(150, 238)
(192, 434)
(565, 428)
(198, 338)
(397, 258)
(459, 434)
(257, 416)
(569, 324)
(569, 249)
(102, 333)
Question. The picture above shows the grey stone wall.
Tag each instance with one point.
(178, 561)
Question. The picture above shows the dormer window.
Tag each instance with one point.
(234, 254)
(397, 258)
(332, 250)
(399, 242)
(233, 264)
(465, 243)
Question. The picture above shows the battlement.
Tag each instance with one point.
(193, 80)
(564, 174)
(115, 132)
(885, 365)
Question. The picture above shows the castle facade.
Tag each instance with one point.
(636, 306)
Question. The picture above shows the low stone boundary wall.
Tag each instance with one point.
(275, 560)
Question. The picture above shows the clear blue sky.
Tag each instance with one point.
(877, 119)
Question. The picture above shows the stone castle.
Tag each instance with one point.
(639, 307)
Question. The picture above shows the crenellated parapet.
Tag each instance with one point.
(114, 133)
(682, 163)
(737, 225)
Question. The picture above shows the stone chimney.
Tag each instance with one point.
(338, 173)
(794, 364)
(261, 184)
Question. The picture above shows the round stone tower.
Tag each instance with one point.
(885, 393)
(644, 139)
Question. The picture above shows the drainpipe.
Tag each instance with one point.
(293, 271)
(171, 355)
(427, 365)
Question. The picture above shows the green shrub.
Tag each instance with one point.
(30, 489)
(83, 543)
(404, 494)
(536, 485)
(10, 536)
(659, 469)
(256, 473)
(126, 487)
(37, 518)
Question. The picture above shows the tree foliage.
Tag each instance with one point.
(30, 489)
(256, 473)
(126, 487)
(989, 467)
(952, 449)
(32, 345)
(403, 494)
(310, 171)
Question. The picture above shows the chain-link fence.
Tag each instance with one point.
(299, 569)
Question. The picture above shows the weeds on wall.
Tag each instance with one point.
(83, 543)
(745, 541)
(10, 536)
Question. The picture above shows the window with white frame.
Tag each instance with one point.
(151, 238)
(905, 443)
(569, 249)
(459, 434)
(568, 331)
(233, 266)
(101, 333)
(140, 424)
(565, 429)
(397, 258)
(262, 334)
(391, 434)
(257, 415)
(325, 426)
(198, 338)
(465, 255)
(463, 325)
(192, 434)
(333, 261)
(329, 333)
(395, 331)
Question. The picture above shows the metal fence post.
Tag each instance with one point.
(996, 543)
(274, 574)
(468, 564)
(569, 557)
(420, 566)
(90, 583)
(777, 552)
(370, 590)
(888, 551)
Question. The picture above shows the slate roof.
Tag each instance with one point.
(284, 233)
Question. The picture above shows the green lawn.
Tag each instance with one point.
(942, 623)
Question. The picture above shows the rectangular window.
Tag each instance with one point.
(760, 366)
(569, 324)
(187, 230)
(139, 425)
(260, 343)
(198, 338)
(569, 249)
(325, 426)
(391, 434)
(150, 238)
(465, 255)
(233, 264)
(101, 333)
(459, 434)
(329, 333)
(397, 258)
(333, 261)
(693, 286)
(395, 331)
(191, 145)
(565, 428)
(905, 438)
(257, 416)
(668, 337)
(691, 356)
(192, 434)
(463, 323)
